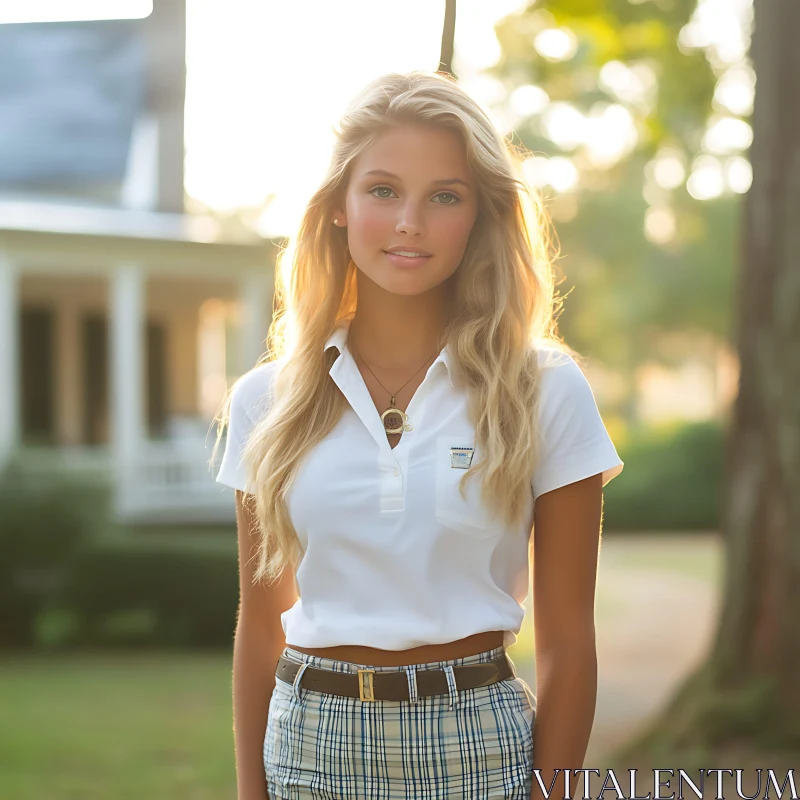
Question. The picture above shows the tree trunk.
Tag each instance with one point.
(748, 691)
(759, 631)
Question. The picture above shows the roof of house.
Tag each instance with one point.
(37, 227)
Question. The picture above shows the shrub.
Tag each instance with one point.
(44, 521)
(133, 590)
(672, 479)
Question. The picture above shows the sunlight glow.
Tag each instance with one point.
(736, 89)
(706, 181)
(689, 391)
(659, 224)
(266, 81)
(608, 131)
(558, 172)
(634, 83)
(564, 124)
(534, 168)
(562, 174)
(722, 28)
(490, 94)
(727, 135)
(738, 174)
(610, 134)
(668, 169)
(556, 44)
(528, 100)
(211, 356)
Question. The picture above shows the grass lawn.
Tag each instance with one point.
(117, 727)
(133, 726)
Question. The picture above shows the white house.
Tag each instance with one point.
(122, 318)
(119, 332)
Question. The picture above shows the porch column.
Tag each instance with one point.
(127, 362)
(69, 369)
(10, 420)
(256, 293)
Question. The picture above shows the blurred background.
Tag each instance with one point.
(152, 159)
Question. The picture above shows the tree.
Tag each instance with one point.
(626, 292)
(746, 695)
(749, 687)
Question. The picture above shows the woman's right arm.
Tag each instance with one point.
(258, 644)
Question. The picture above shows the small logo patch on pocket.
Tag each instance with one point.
(461, 457)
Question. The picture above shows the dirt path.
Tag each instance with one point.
(656, 610)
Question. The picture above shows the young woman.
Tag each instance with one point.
(415, 416)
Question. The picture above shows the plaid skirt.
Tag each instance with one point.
(470, 743)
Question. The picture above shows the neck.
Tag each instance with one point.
(398, 337)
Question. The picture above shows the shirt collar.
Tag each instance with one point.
(338, 339)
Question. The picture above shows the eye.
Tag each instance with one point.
(449, 194)
(376, 188)
(454, 198)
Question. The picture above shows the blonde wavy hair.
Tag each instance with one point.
(502, 305)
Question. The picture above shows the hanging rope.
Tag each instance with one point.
(448, 34)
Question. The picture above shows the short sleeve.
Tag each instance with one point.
(249, 402)
(575, 443)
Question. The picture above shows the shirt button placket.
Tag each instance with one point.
(391, 484)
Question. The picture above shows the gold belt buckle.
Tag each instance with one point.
(365, 687)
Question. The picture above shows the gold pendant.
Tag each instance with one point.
(394, 420)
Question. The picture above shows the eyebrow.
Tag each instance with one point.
(443, 182)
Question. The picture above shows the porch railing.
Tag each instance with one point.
(170, 481)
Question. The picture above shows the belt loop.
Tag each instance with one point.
(451, 684)
(296, 688)
(413, 694)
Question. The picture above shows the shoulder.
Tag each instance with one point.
(558, 369)
(551, 356)
(575, 442)
(563, 384)
(252, 392)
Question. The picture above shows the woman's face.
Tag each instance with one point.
(412, 189)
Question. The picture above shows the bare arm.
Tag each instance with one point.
(258, 643)
(567, 524)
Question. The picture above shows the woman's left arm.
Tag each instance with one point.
(566, 540)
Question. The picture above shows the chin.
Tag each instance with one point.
(407, 291)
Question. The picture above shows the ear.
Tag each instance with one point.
(340, 215)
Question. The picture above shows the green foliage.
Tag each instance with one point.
(625, 294)
(615, 30)
(70, 577)
(178, 593)
(44, 522)
(624, 290)
(671, 481)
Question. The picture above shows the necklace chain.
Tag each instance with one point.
(386, 416)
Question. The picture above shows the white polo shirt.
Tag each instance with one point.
(393, 556)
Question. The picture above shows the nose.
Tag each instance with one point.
(410, 221)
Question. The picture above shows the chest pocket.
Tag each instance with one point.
(467, 513)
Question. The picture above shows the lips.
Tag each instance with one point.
(398, 250)
(406, 262)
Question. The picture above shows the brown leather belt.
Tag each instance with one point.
(370, 685)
